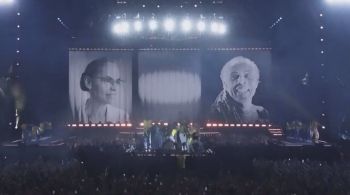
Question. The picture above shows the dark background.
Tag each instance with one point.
(295, 43)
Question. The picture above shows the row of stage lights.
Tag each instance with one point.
(236, 125)
(6, 2)
(165, 124)
(124, 27)
(100, 125)
(338, 2)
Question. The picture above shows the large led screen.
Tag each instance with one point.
(202, 85)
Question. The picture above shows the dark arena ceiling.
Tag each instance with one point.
(89, 22)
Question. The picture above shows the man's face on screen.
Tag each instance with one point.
(241, 82)
(106, 83)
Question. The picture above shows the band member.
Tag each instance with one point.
(156, 137)
(182, 136)
(314, 133)
(194, 144)
(147, 124)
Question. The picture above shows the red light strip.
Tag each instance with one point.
(237, 125)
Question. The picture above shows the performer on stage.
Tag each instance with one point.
(314, 133)
(147, 124)
(182, 136)
(194, 144)
(156, 137)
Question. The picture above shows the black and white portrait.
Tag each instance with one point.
(100, 86)
(240, 80)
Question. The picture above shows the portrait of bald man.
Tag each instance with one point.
(240, 79)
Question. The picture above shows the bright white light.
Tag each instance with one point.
(6, 2)
(121, 28)
(201, 26)
(153, 25)
(186, 25)
(169, 25)
(214, 27)
(338, 2)
(138, 26)
(218, 28)
(222, 28)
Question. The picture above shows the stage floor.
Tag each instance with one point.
(58, 147)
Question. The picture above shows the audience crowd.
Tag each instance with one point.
(84, 171)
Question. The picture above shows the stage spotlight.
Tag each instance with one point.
(338, 2)
(153, 25)
(169, 25)
(201, 26)
(6, 2)
(138, 26)
(121, 28)
(222, 28)
(186, 25)
(214, 27)
(218, 28)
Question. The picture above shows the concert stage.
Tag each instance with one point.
(131, 140)
(211, 134)
(21, 152)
